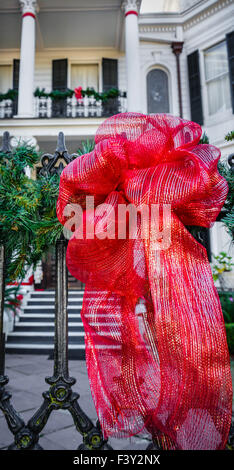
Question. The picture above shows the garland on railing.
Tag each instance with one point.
(9, 95)
(229, 136)
(79, 93)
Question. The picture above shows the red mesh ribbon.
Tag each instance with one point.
(161, 365)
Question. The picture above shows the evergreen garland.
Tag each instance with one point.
(28, 222)
(229, 136)
(9, 95)
(68, 93)
(18, 208)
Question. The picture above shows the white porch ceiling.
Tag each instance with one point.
(66, 24)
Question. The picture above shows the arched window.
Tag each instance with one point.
(157, 92)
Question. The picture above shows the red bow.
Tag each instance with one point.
(160, 364)
(78, 93)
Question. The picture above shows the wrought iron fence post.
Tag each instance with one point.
(61, 382)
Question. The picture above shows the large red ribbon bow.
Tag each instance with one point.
(156, 347)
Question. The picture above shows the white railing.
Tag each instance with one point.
(87, 107)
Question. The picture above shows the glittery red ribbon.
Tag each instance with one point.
(161, 363)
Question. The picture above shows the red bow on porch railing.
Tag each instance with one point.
(78, 93)
(160, 365)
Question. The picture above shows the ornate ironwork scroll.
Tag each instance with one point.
(52, 164)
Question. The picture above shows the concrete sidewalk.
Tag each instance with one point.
(27, 382)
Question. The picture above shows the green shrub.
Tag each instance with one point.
(230, 336)
(227, 304)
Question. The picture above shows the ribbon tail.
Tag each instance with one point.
(119, 364)
(194, 409)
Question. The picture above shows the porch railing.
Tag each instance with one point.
(88, 107)
(7, 109)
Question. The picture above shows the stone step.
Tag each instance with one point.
(42, 337)
(75, 351)
(44, 317)
(49, 326)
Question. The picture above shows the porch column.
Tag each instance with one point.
(27, 59)
(130, 8)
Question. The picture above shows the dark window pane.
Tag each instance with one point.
(157, 92)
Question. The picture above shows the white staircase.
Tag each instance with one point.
(34, 332)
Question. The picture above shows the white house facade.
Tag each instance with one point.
(177, 60)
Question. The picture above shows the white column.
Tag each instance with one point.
(27, 59)
(132, 55)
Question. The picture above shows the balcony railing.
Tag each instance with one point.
(88, 107)
(7, 109)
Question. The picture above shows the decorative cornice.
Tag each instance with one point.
(189, 18)
(131, 7)
(29, 7)
(156, 28)
(206, 14)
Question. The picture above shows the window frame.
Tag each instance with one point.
(210, 119)
(164, 69)
(85, 62)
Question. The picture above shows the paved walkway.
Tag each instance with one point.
(27, 382)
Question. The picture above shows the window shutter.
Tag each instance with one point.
(59, 74)
(195, 87)
(110, 80)
(15, 84)
(109, 74)
(16, 66)
(230, 48)
(59, 82)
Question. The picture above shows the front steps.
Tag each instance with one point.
(34, 332)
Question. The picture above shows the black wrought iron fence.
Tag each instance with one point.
(60, 394)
